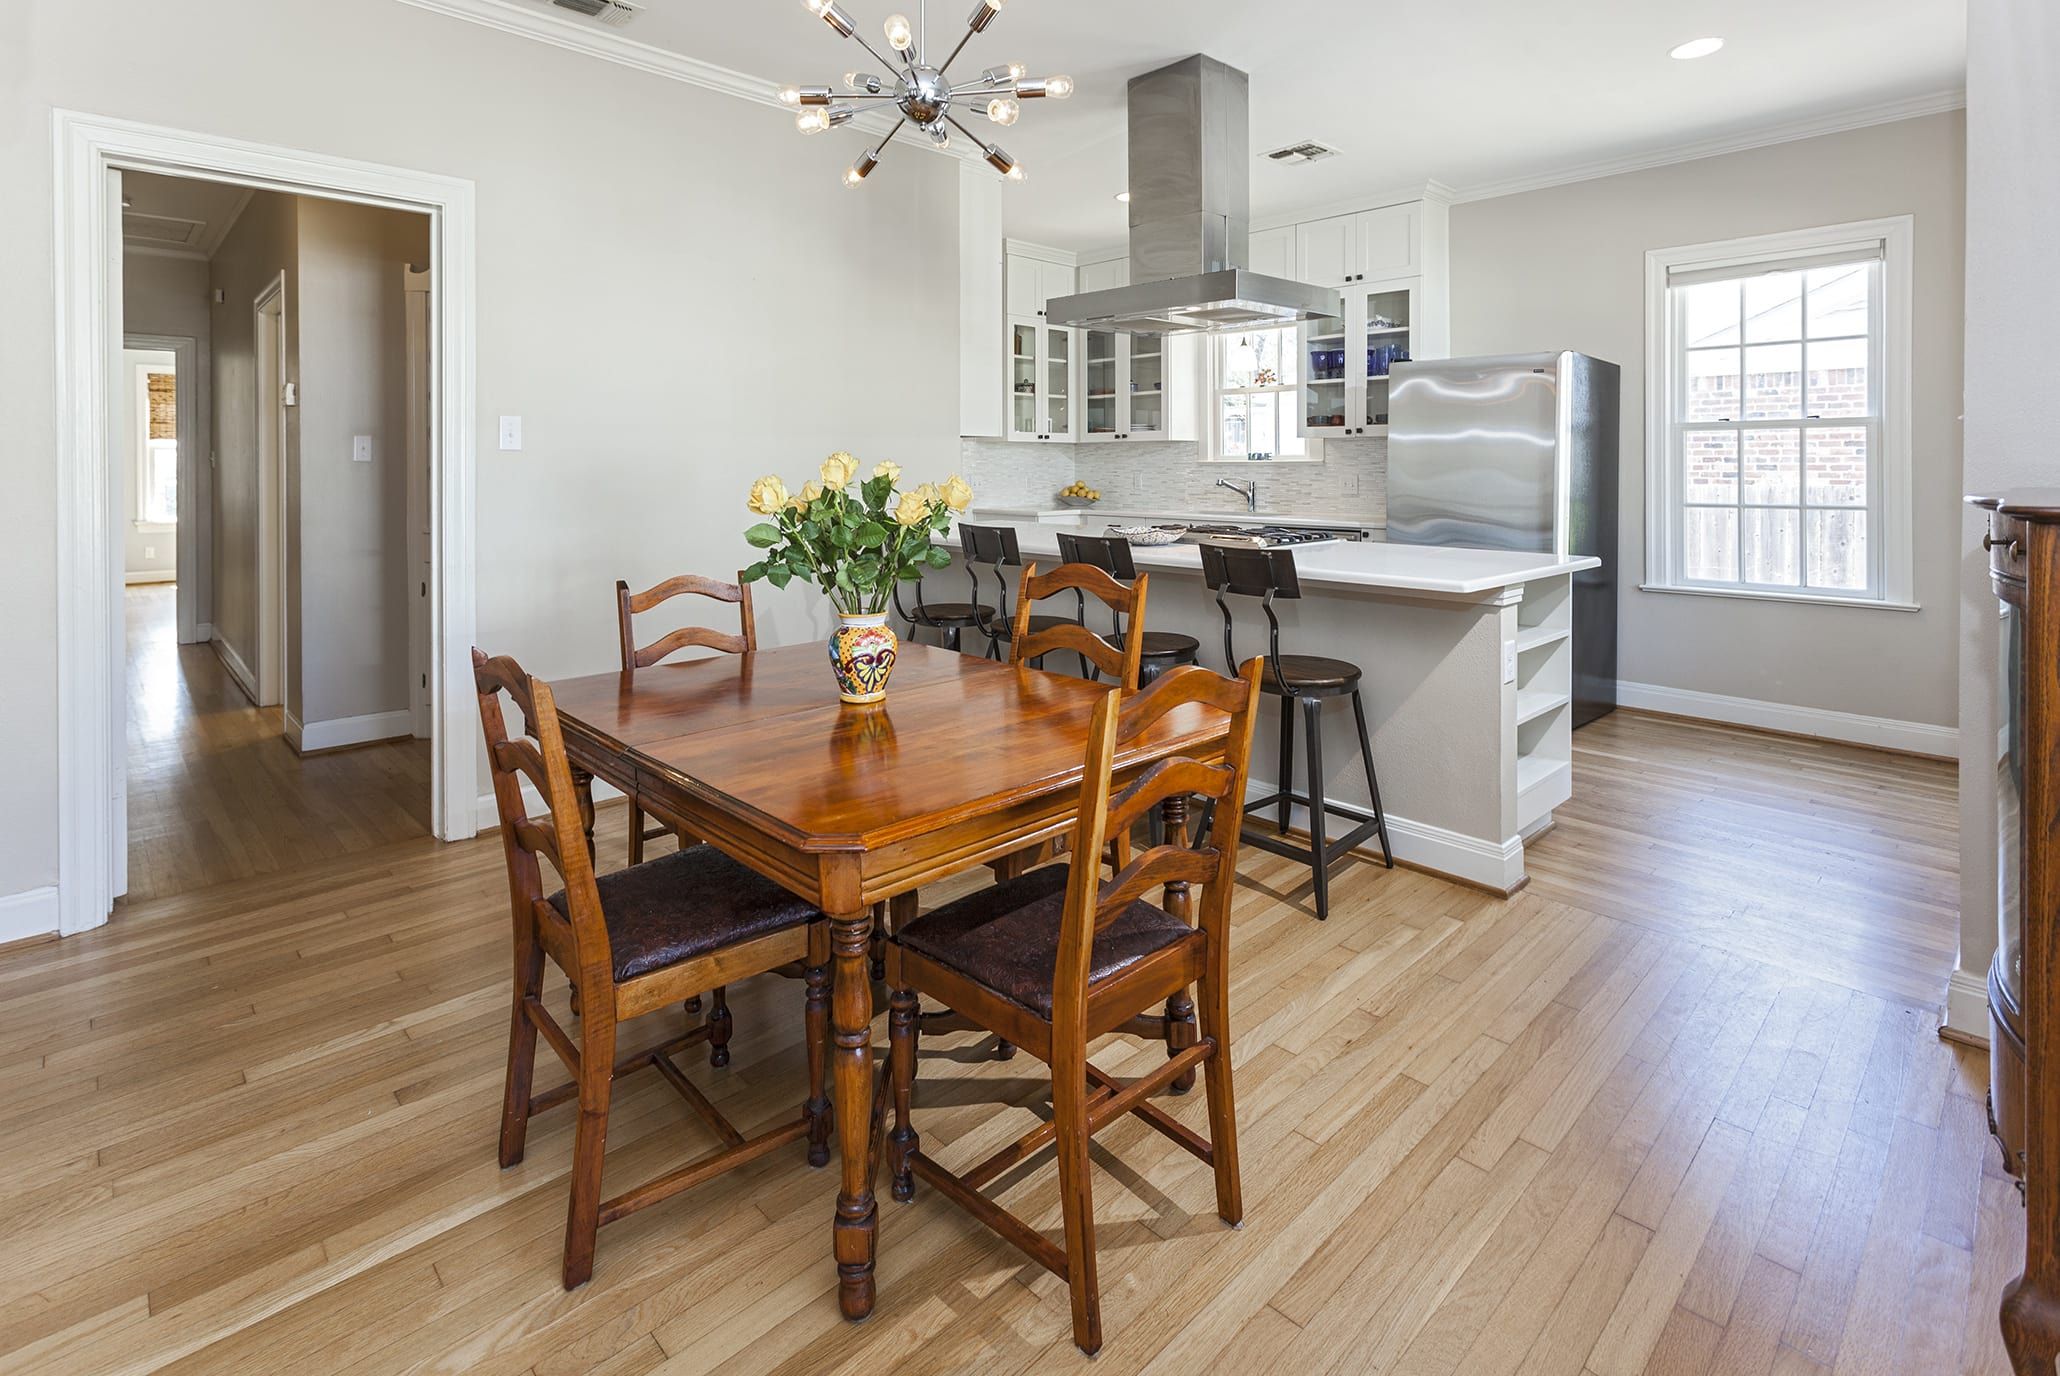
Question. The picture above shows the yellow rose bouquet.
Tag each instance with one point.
(852, 538)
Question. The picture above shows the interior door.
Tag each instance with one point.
(113, 395)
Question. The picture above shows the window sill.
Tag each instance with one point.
(1807, 599)
(154, 527)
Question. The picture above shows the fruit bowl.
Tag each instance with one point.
(1066, 500)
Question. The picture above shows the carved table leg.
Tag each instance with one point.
(851, 1020)
(1181, 1030)
(2031, 1327)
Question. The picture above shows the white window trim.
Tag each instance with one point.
(1210, 449)
(1895, 235)
(141, 444)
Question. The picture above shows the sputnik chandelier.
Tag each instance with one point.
(918, 89)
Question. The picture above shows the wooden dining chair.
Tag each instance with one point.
(1031, 637)
(629, 605)
(633, 941)
(1059, 956)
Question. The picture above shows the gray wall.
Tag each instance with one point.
(651, 260)
(2013, 300)
(351, 518)
(263, 244)
(1563, 268)
(169, 296)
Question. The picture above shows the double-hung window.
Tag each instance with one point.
(1777, 430)
(1254, 381)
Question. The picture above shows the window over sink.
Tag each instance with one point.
(1778, 426)
(1254, 386)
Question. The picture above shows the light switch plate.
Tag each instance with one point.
(511, 432)
(361, 449)
(1509, 661)
(1351, 485)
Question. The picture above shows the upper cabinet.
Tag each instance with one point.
(1034, 281)
(1365, 247)
(1271, 252)
(1105, 275)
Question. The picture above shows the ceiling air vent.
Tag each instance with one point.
(1306, 151)
(614, 13)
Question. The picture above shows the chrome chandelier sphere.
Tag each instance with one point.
(921, 92)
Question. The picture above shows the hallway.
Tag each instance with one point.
(216, 794)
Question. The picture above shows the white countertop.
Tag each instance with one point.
(1362, 564)
(1105, 513)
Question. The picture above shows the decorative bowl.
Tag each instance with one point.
(1149, 535)
(1065, 500)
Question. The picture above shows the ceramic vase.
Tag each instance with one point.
(862, 651)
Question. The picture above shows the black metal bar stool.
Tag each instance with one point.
(1162, 650)
(954, 619)
(995, 548)
(1309, 680)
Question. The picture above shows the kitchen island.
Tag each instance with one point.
(1468, 664)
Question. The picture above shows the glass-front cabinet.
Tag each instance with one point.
(1041, 381)
(1123, 385)
(1345, 360)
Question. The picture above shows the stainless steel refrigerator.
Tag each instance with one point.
(1516, 452)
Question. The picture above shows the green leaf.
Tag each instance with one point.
(875, 491)
(871, 533)
(763, 535)
(778, 576)
(937, 557)
(756, 572)
(911, 574)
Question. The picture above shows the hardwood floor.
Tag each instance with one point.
(1679, 1107)
(216, 794)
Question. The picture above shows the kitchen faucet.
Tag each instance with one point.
(1247, 490)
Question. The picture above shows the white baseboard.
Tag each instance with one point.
(1497, 865)
(23, 915)
(328, 735)
(489, 813)
(1966, 1014)
(204, 632)
(1916, 737)
(151, 576)
(238, 670)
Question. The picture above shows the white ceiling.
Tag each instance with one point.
(182, 215)
(1472, 94)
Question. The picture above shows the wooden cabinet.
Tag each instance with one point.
(2024, 979)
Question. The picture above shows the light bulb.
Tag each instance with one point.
(1058, 87)
(1003, 110)
(790, 95)
(899, 34)
(1017, 174)
(813, 120)
(853, 178)
(855, 175)
(816, 7)
(1017, 71)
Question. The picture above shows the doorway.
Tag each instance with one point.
(93, 154)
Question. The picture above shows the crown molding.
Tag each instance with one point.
(1046, 253)
(507, 16)
(219, 234)
(1352, 205)
(1888, 112)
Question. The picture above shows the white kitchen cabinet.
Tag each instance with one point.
(1345, 360)
(1271, 252)
(1369, 246)
(1135, 387)
(1043, 373)
(1032, 282)
(1105, 275)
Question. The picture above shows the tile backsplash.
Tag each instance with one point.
(1169, 475)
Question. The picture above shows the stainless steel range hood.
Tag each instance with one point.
(1190, 213)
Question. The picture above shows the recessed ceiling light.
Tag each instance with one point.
(1694, 48)
(1123, 196)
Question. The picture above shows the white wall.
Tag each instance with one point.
(169, 296)
(148, 556)
(2013, 300)
(1563, 268)
(658, 265)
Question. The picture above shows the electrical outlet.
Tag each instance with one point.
(150, 551)
(361, 449)
(511, 432)
(1351, 485)
(1509, 661)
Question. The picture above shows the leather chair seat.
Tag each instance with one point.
(1310, 673)
(947, 613)
(687, 904)
(1006, 937)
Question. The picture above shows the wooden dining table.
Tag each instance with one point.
(967, 762)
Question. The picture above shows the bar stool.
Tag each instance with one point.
(1310, 680)
(996, 548)
(1162, 650)
(954, 619)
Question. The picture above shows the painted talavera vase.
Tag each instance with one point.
(862, 651)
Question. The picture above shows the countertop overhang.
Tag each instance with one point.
(1430, 570)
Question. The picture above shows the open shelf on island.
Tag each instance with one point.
(1536, 702)
(1533, 770)
(1535, 637)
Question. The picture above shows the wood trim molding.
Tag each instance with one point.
(27, 915)
(1884, 733)
(85, 148)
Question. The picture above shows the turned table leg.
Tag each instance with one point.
(851, 1064)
